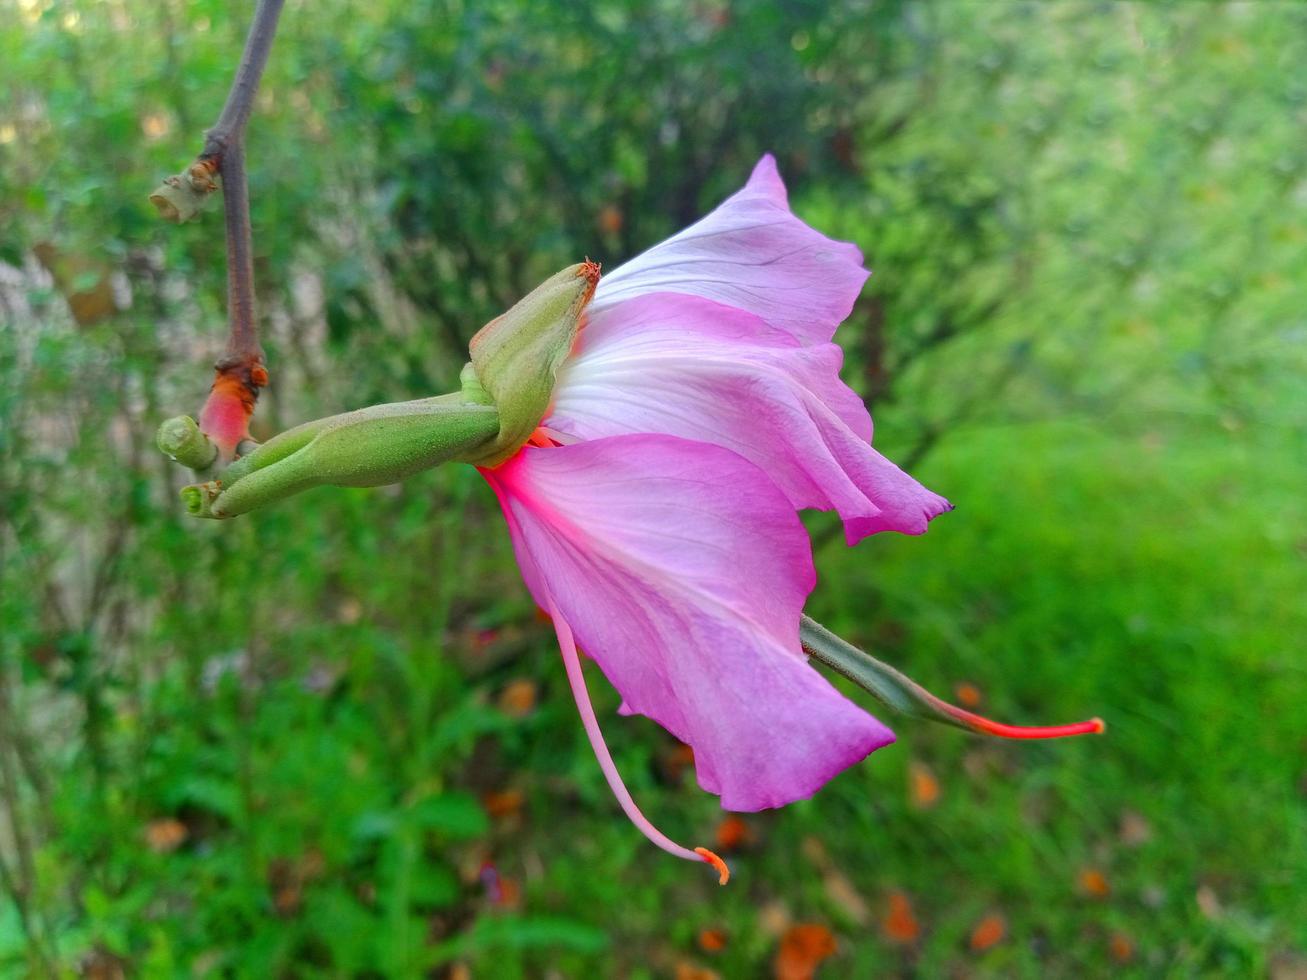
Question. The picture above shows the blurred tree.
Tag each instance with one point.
(1083, 208)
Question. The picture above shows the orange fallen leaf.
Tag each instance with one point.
(100, 964)
(685, 970)
(1094, 883)
(923, 787)
(968, 694)
(733, 833)
(510, 894)
(287, 886)
(166, 835)
(803, 947)
(1121, 947)
(988, 933)
(900, 924)
(673, 761)
(712, 940)
(609, 219)
(503, 803)
(518, 698)
(288, 899)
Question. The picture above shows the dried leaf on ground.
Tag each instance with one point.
(803, 947)
(923, 787)
(1094, 883)
(900, 923)
(988, 933)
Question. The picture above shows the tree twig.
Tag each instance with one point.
(240, 372)
(229, 130)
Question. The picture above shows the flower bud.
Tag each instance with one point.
(180, 439)
(516, 356)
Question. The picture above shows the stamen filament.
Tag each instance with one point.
(901, 693)
(982, 725)
(576, 678)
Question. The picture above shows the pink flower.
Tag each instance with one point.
(655, 518)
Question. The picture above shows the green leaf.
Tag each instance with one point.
(523, 932)
(456, 815)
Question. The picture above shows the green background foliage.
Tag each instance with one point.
(297, 744)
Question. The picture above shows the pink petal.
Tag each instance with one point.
(751, 253)
(689, 367)
(682, 571)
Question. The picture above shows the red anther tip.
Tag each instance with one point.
(723, 872)
(589, 271)
(1097, 726)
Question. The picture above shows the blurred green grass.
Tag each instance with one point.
(1148, 578)
(333, 739)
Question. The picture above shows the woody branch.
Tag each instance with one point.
(240, 371)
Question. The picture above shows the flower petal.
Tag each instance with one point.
(754, 254)
(682, 571)
(689, 367)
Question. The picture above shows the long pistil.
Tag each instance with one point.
(576, 678)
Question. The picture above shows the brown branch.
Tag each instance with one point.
(240, 372)
(229, 130)
(243, 331)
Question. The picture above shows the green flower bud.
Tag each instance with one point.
(516, 356)
(180, 439)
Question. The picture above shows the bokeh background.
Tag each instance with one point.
(333, 739)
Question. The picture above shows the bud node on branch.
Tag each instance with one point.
(221, 163)
(181, 440)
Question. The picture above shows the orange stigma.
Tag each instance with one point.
(589, 271)
(723, 872)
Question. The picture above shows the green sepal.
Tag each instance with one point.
(369, 447)
(516, 356)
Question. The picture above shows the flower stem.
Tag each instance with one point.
(240, 371)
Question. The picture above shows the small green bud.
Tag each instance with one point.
(198, 498)
(516, 356)
(180, 439)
